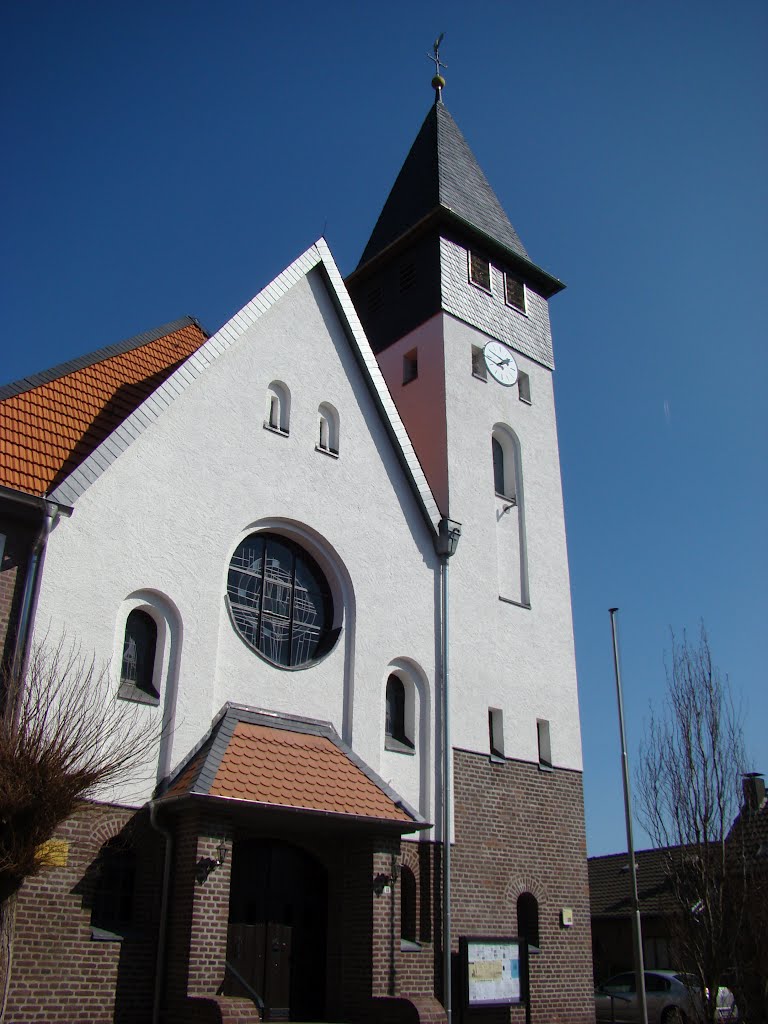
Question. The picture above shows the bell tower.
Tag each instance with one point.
(443, 249)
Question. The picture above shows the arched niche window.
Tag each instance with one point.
(399, 715)
(408, 914)
(280, 601)
(115, 879)
(328, 429)
(505, 465)
(528, 919)
(278, 411)
(137, 672)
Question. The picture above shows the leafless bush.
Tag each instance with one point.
(63, 735)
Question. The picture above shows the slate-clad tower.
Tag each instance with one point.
(457, 314)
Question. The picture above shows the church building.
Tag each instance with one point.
(321, 555)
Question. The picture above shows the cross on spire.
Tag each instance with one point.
(438, 82)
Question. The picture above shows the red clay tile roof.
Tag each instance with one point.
(51, 423)
(294, 769)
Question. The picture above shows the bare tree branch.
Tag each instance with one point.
(689, 789)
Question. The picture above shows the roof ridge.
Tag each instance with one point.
(35, 380)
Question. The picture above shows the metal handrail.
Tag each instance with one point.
(253, 994)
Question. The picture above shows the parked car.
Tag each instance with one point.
(671, 998)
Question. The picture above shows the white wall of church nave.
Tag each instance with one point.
(168, 513)
(518, 659)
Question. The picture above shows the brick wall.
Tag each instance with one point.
(59, 973)
(519, 829)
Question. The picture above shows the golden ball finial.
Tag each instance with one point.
(438, 82)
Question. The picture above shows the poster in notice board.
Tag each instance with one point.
(494, 971)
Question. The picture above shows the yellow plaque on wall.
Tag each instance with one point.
(53, 854)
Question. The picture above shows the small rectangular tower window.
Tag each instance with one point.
(375, 300)
(480, 271)
(514, 292)
(524, 387)
(407, 276)
(479, 368)
(496, 732)
(410, 366)
(545, 748)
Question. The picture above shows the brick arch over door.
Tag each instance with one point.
(516, 887)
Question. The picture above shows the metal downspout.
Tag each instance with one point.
(32, 588)
(447, 823)
(445, 544)
(163, 924)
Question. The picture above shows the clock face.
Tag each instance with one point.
(501, 363)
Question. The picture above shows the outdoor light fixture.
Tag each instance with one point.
(221, 849)
(382, 882)
(207, 864)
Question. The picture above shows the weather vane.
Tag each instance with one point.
(438, 82)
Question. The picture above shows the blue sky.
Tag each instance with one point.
(164, 158)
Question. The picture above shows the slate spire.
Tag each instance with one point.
(441, 177)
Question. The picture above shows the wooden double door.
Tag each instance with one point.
(276, 944)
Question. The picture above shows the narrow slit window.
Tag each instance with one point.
(375, 300)
(112, 907)
(407, 276)
(328, 429)
(524, 387)
(498, 466)
(528, 920)
(545, 748)
(408, 901)
(479, 369)
(137, 671)
(480, 271)
(410, 366)
(278, 411)
(496, 732)
(514, 292)
(396, 734)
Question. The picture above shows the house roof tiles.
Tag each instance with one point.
(54, 420)
(286, 763)
(610, 885)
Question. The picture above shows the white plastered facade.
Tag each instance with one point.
(157, 527)
(160, 510)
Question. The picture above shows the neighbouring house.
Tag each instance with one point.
(611, 902)
(288, 540)
(611, 908)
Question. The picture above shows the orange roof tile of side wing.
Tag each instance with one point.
(299, 770)
(52, 421)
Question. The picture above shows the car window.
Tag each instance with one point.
(657, 983)
(621, 983)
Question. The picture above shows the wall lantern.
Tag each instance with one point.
(207, 864)
(383, 882)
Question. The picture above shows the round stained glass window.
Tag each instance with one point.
(280, 601)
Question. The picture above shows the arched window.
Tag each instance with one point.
(280, 601)
(328, 429)
(396, 728)
(278, 411)
(137, 673)
(498, 466)
(528, 919)
(112, 908)
(407, 905)
(504, 465)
